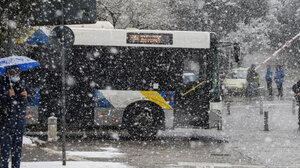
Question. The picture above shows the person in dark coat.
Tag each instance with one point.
(269, 80)
(14, 98)
(251, 79)
(279, 79)
(296, 90)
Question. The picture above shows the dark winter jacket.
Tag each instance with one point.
(6, 101)
(296, 87)
(269, 74)
(279, 76)
(251, 75)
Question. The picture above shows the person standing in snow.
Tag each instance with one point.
(251, 81)
(279, 79)
(269, 80)
(14, 98)
(296, 89)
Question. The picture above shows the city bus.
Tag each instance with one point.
(139, 80)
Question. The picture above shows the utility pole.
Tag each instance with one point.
(10, 46)
(63, 66)
(62, 37)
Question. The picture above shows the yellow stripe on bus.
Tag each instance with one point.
(155, 97)
(194, 88)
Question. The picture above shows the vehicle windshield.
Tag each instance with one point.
(189, 77)
(239, 74)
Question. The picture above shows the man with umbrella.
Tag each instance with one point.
(14, 99)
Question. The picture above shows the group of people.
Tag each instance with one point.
(14, 96)
(278, 78)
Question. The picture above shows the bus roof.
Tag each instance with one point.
(141, 38)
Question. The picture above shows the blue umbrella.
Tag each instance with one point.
(24, 63)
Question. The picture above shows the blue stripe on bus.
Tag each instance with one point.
(101, 101)
(169, 96)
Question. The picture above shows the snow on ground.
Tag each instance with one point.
(108, 152)
(277, 147)
(28, 142)
(73, 164)
(92, 154)
(189, 132)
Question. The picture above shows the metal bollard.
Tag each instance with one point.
(294, 106)
(266, 120)
(220, 126)
(228, 108)
(52, 128)
(261, 108)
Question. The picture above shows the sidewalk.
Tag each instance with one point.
(279, 146)
(34, 156)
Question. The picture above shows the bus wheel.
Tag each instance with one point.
(142, 121)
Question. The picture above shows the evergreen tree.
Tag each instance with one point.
(289, 17)
(252, 9)
(141, 14)
(217, 16)
(17, 12)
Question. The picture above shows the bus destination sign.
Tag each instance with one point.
(150, 38)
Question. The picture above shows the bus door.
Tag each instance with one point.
(192, 96)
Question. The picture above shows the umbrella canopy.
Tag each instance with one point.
(24, 63)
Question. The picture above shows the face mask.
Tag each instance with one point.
(15, 79)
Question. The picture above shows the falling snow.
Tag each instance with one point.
(160, 83)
